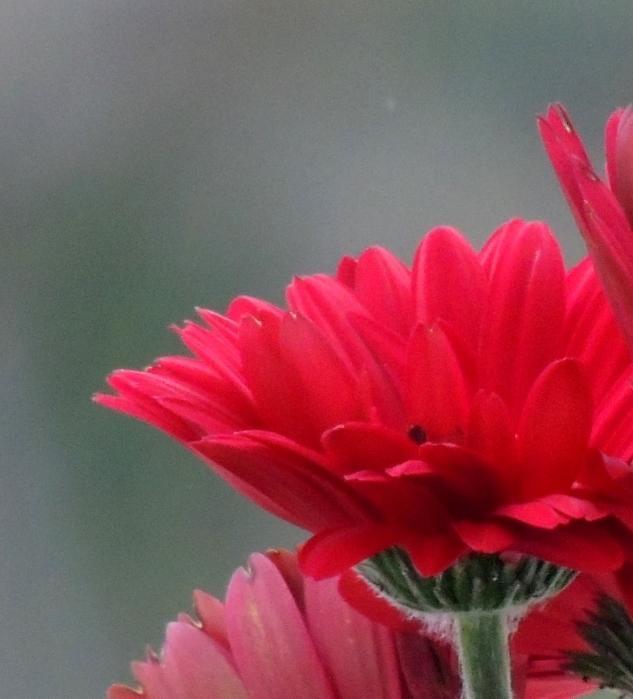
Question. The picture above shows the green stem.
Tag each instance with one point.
(484, 656)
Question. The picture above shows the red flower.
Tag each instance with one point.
(479, 402)
(551, 634)
(280, 635)
(604, 213)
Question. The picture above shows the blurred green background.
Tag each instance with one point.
(159, 155)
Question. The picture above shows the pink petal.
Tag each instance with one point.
(428, 667)
(118, 691)
(210, 611)
(357, 592)
(196, 667)
(271, 645)
(287, 564)
(359, 655)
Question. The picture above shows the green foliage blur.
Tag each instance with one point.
(160, 155)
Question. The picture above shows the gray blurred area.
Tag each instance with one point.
(159, 155)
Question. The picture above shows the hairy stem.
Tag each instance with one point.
(484, 656)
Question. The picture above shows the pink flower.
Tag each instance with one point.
(282, 635)
(480, 401)
(604, 212)
(279, 636)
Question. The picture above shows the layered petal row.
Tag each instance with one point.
(479, 401)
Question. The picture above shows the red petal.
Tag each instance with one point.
(486, 536)
(435, 390)
(294, 479)
(328, 391)
(346, 271)
(554, 429)
(613, 425)
(491, 436)
(357, 446)
(274, 385)
(251, 306)
(136, 403)
(386, 346)
(448, 283)
(433, 553)
(624, 581)
(564, 149)
(536, 513)
(601, 219)
(332, 552)
(383, 286)
(591, 333)
(620, 157)
(526, 306)
(610, 242)
(585, 547)
(327, 303)
(455, 476)
(610, 146)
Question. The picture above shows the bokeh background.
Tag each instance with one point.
(158, 155)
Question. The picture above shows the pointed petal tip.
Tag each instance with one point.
(120, 691)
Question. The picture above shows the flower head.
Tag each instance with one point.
(280, 635)
(477, 402)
